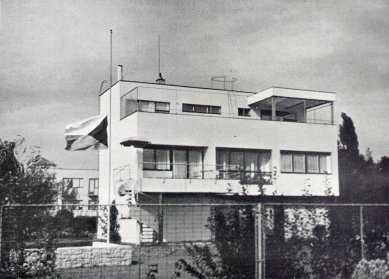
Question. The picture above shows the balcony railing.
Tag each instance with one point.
(199, 171)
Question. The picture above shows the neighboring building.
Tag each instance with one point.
(206, 142)
(80, 188)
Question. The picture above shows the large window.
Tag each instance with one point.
(305, 162)
(247, 165)
(180, 162)
(156, 159)
(201, 109)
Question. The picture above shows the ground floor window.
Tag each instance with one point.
(305, 162)
(182, 162)
(247, 164)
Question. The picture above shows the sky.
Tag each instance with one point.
(54, 54)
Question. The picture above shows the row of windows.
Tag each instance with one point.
(70, 182)
(129, 106)
(304, 162)
(183, 162)
(201, 109)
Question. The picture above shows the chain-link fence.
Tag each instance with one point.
(145, 241)
(323, 240)
(268, 240)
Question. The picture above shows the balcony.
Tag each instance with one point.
(206, 172)
(294, 105)
(274, 104)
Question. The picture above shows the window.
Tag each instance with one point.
(151, 106)
(129, 103)
(162, 107)
(156, 159)
(93, 186)
(72, 182)
(182, 162)
(249, 165)
(305, 162)
(243, 111)
(201, 109)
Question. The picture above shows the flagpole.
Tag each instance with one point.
(110, 142)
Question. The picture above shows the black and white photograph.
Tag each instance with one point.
(194, 139)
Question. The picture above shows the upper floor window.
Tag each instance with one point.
(201, 109)
(129, 103)
(305, 162)
(151, 106)
(243, 111)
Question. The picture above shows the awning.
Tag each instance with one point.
(137, 142)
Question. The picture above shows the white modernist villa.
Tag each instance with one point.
(213, 141)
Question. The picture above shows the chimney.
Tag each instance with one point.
(120, 72)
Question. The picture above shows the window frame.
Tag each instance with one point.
(95, 189)
(202, 109)
(171, 150)
(72, 179)
(155, 159)
(242, 168)
(305, 154)
(154, 106)
(244, 112)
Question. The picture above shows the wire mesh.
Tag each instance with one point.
(146, 241)
(323, 241)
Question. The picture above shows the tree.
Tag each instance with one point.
(23, 182)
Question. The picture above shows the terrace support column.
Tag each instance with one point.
(273, 108)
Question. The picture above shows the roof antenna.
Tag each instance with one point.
(160, 79)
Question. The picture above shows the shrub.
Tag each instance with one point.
(374, 269)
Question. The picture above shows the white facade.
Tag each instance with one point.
(284, 124)
(79, 187)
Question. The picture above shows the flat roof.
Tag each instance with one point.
(184, 86)
(292, 94)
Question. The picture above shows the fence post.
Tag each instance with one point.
(361, 231)
(259, 249)
(1, 233)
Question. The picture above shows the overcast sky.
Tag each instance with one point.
(54, 55)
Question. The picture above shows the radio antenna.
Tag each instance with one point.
(160, 79)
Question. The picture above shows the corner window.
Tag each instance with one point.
(244, 112)
(201, 109)
(305, 162)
